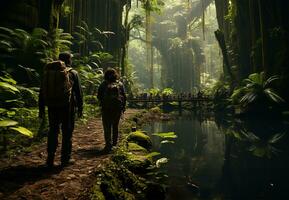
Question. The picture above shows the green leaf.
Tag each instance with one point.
(10, 114)
(152, 154)
(2, 110)
(167, 142)
(5, 44)
(161, 162)
(273, 95)
(7, 123)
(8, 80)
(6, 30)
(7, 86)
(248, 98)
(270, 80)
(258, 151)
(166, 135)
(22, 131)
(256, 78)
(275, 138)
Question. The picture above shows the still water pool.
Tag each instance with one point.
(214, 158)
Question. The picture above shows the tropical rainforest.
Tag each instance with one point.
(206, 82)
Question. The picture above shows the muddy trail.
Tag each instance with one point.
(26, 177)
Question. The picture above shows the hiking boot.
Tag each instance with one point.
(107, 149)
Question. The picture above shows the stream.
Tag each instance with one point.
(214, 158)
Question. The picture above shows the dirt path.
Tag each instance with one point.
(25, 177)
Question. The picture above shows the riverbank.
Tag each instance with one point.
(126, 175)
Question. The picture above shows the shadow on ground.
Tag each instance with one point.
(13, 178)
(92, 153)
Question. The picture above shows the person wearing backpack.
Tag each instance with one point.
(61, 92)
(112, 98)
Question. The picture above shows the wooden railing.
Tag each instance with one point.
(173, 98)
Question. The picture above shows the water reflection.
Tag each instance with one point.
(214, 158)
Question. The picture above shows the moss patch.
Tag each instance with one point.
(117, 182)
(140, 138)
(135, 147)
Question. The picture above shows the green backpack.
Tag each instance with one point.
(57, 86)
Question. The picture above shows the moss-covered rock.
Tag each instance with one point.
(155, 110)
(134, 147)
(141, 139)
(138, 163)
(97, 193)
(118, 183)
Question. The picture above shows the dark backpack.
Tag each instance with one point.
(57, 86)
(112, 99)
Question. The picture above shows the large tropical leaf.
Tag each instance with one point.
(8, 80)
(237, 93)
(2, 110)
(22, 131)
(257, 78)
(8, 87)
(7, 123)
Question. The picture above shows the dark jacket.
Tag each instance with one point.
(77, 95)
(101, 92)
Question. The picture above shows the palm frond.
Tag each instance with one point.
(5, 44)
(98, 43)
(39, 32)
(85, 25)
(275, 138)
(97, 30)
(67, 42)
(271, 80)
(83, 29)
(273, 95)
(248, 98)
(6, 30)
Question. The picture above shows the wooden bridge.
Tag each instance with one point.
(180, 99)
(168, 100)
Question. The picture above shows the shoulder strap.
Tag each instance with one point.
(69, 69)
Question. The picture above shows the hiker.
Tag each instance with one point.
(111, 95)
(61, 92)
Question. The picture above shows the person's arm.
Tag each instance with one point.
(122, 91)
(77, 90)
(41, 104)
(100, 93)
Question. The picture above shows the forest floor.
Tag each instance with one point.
(26, 177)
